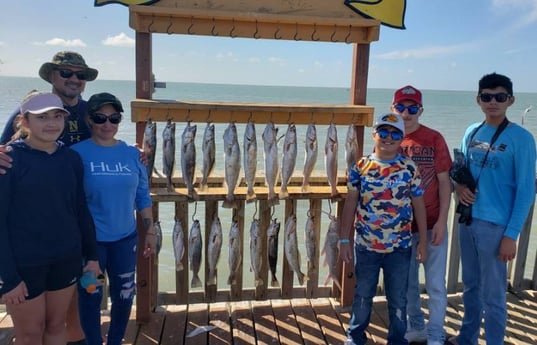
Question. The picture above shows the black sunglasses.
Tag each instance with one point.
(67, 73)
(499, 97)
(412, 109)
(384, 133)
(99, 118)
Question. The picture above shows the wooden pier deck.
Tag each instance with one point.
(291, 322)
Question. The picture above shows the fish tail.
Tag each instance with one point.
(284, 194)
(231, 279)
(179, 266)
(250, 195)
(259, 282)
(305, 186)
(274, 282)
(229, 202)
(334, 279)
(196, 282)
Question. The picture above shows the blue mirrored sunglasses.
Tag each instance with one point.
(412, 109)
(385, 133)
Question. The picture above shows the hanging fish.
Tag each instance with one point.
(250, 159)
(289, 159)
(168, 157)
(290, 246)
(232, 164)
(351, 147)
(208, 148)
(213, 249)
(272, 234)
(310, 241)
(195, 248)
(311, 156)
(188, 157)
(234, 255)
(270, 143)
(330, 158)
(331, 251)
(150, 146)
(178, 241)
(256, 250)
(158, 235)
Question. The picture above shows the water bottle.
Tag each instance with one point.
(90, 282)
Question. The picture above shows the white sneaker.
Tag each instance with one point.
(412, 335)
(434, 342)
(348, 341)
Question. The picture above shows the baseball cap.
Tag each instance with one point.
(67, 58)
(97, 100)
(407, 93)
(41, 102)
(390, 119)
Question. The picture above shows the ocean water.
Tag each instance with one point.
(450, 112)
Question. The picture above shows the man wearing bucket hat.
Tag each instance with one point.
(68, 74)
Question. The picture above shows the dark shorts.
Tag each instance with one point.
(50, 277)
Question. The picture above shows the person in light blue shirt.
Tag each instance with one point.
(116, 185)
(501, 158)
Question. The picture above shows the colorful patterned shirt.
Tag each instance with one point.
(384, 211)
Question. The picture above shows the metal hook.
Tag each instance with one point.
(150, 27)
(289, 118)
(195, 210)
(272, 212)
(311, 118)
(334, 34)
(208, 117)
(295, 37)
(169, 27)
(276, 33)
(314, 32)
(168, 118)
(232, 29)
(250, 117)
(212, 30)
(188, 116)
(256, 30)
(189, 30)
(333, 116)
(348, 35)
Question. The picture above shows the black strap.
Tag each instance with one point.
(495, 136)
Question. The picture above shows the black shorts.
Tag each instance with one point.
(50, 277)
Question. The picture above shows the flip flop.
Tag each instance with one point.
(451, 341)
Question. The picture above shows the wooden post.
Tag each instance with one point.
(145, 268)
(360, 68)
(517, 276)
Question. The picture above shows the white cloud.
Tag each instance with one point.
(254, 60)
(526, 11)
(60, 42)
(422, 53)
(120, 40)
(276, 61)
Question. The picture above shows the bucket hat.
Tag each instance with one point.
(66, 58)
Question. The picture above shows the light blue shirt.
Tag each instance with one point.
(506, 186)
(116, 183)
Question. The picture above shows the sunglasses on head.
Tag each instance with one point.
(99, 118)
(412, 109)
(499, 97)
(384, 133)
(67, 73)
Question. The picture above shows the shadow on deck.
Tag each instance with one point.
(292, 322)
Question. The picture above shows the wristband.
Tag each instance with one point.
(344, 240)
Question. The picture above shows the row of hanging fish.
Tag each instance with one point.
(290, 246)
(274, 170)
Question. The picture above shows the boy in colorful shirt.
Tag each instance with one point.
(383, 198)
(429, 150)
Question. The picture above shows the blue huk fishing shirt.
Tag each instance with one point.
(116, 182)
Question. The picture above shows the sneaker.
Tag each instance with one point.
(413, 335)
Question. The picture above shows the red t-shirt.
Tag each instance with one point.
(429, 150)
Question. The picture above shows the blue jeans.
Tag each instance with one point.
(435, 283)
(118, 260)
(485, 283)
(395, 272)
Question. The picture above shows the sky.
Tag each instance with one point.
(447, 45)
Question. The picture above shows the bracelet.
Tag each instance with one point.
(344, 240)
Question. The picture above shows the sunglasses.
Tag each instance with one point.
(412, 109)
(67, 73)
(499, 97)
(99, 118)
(384, 134)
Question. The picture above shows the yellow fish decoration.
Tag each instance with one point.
(388, 12)
(124, 2)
